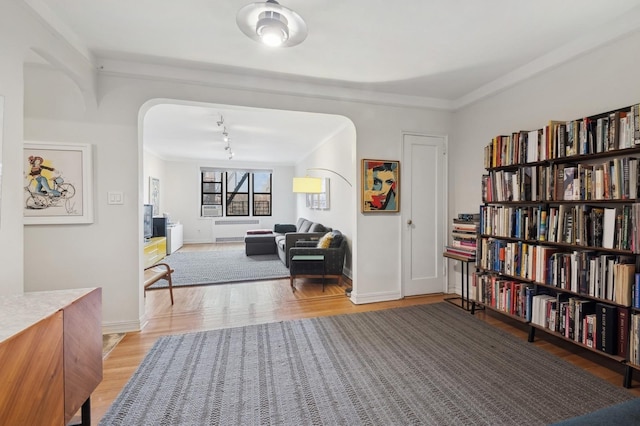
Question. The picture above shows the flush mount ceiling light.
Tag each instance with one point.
(272, 24)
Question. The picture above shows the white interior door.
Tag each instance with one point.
(423, 201)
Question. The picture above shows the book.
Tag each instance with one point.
(568, 180)
(473, 217)
(606, 327)
(608, 227)
(624, 278)
(623, 331)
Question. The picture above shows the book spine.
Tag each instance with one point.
(623, 331)
(606, 326)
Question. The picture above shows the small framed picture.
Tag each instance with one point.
(380, 186)
(154, 194)
(57, 183)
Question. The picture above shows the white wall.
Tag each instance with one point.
(338, 153)
(601, 81)
(182, 197)
(19, 32)
(114, 129)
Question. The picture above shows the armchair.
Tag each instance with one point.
(287, 235)
(333, 260)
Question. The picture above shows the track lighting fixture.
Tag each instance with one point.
(225, 137)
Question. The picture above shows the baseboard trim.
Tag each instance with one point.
(120, 327)
(360, 299)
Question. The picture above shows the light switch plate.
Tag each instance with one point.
(115, 197)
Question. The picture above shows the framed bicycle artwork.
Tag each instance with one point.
(57, 183)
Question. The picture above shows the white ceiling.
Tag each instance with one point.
(188, 132)
(445, 52)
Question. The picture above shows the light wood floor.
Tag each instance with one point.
(233, 305)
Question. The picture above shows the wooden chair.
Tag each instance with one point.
(159, 271)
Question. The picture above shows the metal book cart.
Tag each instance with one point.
(463, 300)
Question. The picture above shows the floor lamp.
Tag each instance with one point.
(313, 185)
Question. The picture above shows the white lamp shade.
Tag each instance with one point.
(307, 185)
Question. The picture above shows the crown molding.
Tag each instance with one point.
(273, 83)
(259, 82)
(599, 37)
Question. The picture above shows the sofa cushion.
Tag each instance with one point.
(325, 241)
(317, 227)
(337, 238)
(283, 228)
(259, 231)
(304, 226)
(299, 223)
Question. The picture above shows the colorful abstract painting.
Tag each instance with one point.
(380, 186)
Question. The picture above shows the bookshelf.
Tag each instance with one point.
(559, 233)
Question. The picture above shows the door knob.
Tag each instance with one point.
(409, 222)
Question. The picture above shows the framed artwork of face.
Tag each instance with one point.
(380, 186)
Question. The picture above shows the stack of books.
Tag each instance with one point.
(464, 236)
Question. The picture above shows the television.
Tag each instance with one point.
(148, 221)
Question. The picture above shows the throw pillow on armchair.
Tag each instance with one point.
(325, 241)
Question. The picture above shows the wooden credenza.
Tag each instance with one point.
(50, 355)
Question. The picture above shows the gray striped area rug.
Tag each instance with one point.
(221, 267)
(422, 365)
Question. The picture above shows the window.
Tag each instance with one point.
(262, 194)
(237, 192)
(212, 188)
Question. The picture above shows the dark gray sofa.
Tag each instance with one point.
(288, 234)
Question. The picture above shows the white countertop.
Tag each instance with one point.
(20, 311)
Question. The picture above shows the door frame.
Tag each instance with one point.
(405, 214)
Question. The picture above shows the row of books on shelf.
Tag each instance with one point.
(597, 325)
(614, 179)
(590, 273)
(605, 227)
(464, 235)
(558, 139)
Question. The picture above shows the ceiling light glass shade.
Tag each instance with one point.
(272, 28)
(307, 185)
(272, 24)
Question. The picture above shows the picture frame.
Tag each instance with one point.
(380, 186)
(319, 201)
(58, 183)
(154, 195)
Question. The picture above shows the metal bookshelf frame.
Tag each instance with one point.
(465, 303)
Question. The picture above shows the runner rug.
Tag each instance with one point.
(430, 364)
(220, 267)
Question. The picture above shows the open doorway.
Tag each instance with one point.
(180, 140)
